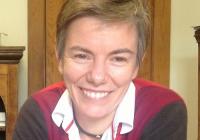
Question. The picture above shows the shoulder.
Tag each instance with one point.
(151, 98)
(154, 92)
(30, 118)
(155, 102)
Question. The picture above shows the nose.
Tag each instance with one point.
(97, 74)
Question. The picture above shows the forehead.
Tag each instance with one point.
(92, 31)
(99, 23)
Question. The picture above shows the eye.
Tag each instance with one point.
(82, 57)
(119, 60)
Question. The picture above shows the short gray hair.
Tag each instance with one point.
(131, 11)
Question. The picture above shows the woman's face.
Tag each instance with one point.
(98, 65)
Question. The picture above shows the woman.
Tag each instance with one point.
(100, 45)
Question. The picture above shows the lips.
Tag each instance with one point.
(94, 94)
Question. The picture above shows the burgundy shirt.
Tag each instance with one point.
(160, 114)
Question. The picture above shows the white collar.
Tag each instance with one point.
(125, 111)
(63, 115)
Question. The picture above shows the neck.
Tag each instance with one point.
(96, 127)
(95, 136)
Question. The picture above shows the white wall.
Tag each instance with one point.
(13, 21)
(183, 77)
(184, 65)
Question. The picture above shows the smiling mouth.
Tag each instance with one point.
(95, 94)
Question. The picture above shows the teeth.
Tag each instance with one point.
(95, 95)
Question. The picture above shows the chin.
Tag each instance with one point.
(97, 112)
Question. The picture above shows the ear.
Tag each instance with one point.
(56, 53)
(135, 72)
(60, 66)
(60, 62)
(144, 56)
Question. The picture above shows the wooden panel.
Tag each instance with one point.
(161, 41)
(3, 83)
(52, 10)
(12, 100)
(145, 68)
(3, 69)
(36, 45)
(3, 87)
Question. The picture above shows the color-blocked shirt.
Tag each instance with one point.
(160, 114)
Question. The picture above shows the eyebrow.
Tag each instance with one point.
(78, 48)
(122, 50)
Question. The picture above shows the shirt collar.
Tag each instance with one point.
(63, 113)
(125, 111)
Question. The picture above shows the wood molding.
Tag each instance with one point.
(11, 54)
(197, 36)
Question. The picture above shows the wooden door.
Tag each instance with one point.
(42, 64)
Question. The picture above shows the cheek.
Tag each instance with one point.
(123, 76)
(72, 73)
